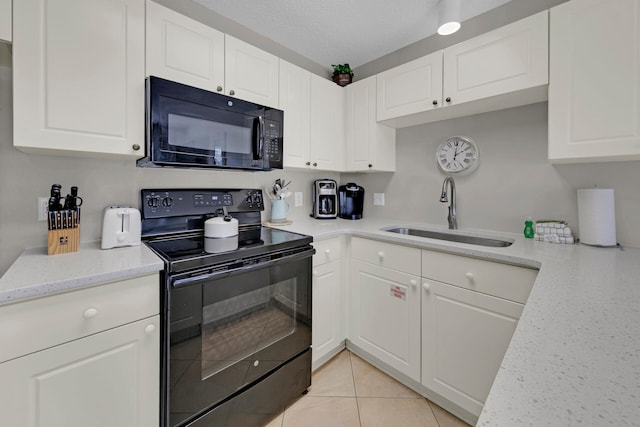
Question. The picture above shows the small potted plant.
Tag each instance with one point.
(342, 74)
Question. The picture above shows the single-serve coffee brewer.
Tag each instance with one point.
(351, 201)
(325, 199)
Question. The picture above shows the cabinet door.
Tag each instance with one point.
(104, 380)
(464, 337)
(594, 90)
(410, 88)
(328, 312)
(384, 313)
(78, 69)
(326, 150)
(5, 20)
(295, 92)
(511, 58)
(370, 146)
(183, 50)
(250, 73)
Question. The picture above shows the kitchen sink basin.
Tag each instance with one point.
(452, 237)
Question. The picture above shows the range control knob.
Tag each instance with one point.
(153, 202)
(167, 202)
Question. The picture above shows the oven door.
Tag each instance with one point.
(227, 331)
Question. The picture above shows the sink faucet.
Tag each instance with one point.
(453, 223)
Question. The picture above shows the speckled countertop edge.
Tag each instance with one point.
(36, 274)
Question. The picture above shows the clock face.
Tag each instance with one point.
(458, 155)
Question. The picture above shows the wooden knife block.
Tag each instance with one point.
(63, 241)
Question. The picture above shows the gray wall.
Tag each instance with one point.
(514, 179)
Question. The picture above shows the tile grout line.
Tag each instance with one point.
(355, 389)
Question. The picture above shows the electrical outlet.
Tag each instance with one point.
(378, 199)
(43, 208)
(298, 199)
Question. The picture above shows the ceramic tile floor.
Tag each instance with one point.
(349, 392)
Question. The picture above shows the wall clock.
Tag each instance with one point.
(458, 155)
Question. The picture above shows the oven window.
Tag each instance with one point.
(236, 328)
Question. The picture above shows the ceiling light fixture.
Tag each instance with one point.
(448, 16)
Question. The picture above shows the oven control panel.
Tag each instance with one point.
(159, 203)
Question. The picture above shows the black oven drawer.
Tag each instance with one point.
(264, 400)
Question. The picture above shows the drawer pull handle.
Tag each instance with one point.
(89, 313)
(327, 251)
(149, 329)
(426, 287)
(381, 255)
(469, 276)
(413, 283)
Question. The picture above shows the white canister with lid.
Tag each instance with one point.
(220, 234)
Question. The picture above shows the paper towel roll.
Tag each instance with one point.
(597, 216)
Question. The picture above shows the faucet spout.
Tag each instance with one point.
(451, 218)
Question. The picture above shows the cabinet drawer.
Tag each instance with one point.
(492, 278)
(326, 251)
(401, 258)
(42, 323)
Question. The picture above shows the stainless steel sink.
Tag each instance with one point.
(452, 237)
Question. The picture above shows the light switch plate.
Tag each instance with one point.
(378, 199)
(297, 199)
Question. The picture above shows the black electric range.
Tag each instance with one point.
(236, 323)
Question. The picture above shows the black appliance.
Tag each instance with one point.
(325, 199)
(351, 201)
(236, 325)
(191, 127)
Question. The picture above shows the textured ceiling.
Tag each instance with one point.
(338, 31)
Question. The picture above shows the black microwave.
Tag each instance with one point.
(191, 127)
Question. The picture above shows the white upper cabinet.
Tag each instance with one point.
(78, 77)
(5, 20)
(295, 92)
(250, 73)
(508, 59)
(500, 69)
(370, 146)
(594, 90)
(326, 151)
(410, 88)
(184, 50)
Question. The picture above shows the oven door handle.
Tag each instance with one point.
(178, 283)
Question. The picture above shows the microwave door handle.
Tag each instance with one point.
(258, 142)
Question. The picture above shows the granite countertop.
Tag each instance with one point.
(36, 274)
(574, 358)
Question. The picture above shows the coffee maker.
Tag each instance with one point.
(351, 201)
(325, 199)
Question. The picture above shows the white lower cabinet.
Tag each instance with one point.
(470, 309)
(384, 308)
(464, 337)
(83, 358)
(105, 380)
(328, 332)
